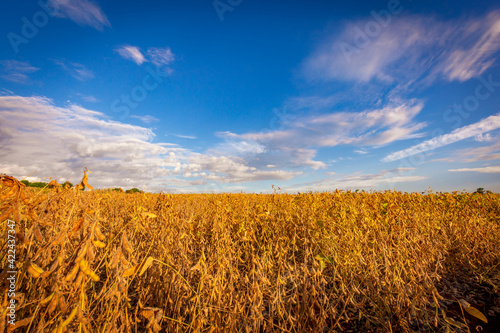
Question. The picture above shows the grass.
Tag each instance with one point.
(316, 262)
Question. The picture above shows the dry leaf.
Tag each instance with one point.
(84, 181)
(54, 182)
(126, 244)
(476, 313)
(20, 323)
(146, 265)
(35, 270)
(99, 243)
(130, 271)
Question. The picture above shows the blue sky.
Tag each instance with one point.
(239, 95)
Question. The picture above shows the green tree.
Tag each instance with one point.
(38, 184)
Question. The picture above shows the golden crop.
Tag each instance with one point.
(113, 262)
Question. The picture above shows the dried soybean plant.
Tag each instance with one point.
(106, 261)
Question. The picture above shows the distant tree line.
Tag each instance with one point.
(133, 190)
(68, 184)
(480, 190)
(43, 184)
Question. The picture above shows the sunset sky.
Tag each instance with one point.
(240, 95)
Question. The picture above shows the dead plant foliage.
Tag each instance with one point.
(100, 261)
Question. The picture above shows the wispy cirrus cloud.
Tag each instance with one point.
(160, 56)
(83, 12)
(489, 152)
(4, 91)
(131, 53)
(486, 153)
(483, 126)
(410, 48)
(88, 98)
(76, 70)
(296, 144)
(486, 169)
(357, 180)
(17, 71)
(156, 55)
(192, 137)
(463, 62)
(147, 119)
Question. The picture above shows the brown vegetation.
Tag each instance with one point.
(104, 261)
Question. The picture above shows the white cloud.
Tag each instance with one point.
(371, 127)
(240, 147)
(410, 48)
(4, 91)
(17, 71)
(83, 12)
(131, 53)
(88, 98)
(487, 169)
(370, 61)
(295, 145)
(483, 126)
(234, 170)
(485, 153)
(185, 136)
(361, 151)
(76, 70)
(160, 56)
(483, 137)
(156, 55)
(38, 137)
(356, 180)
(488, 152)
(467, 62)
(147, 119)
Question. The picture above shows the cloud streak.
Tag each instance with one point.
(410, 48)
(357, 181)
(487, 169)
(76, 70)
(483, 126)
(82, 12)
(160, 56)
(17, 71)
(465, 63)
(131, 53)
(296, 145)
(156, 55)
(192, 137)
(147, 119)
